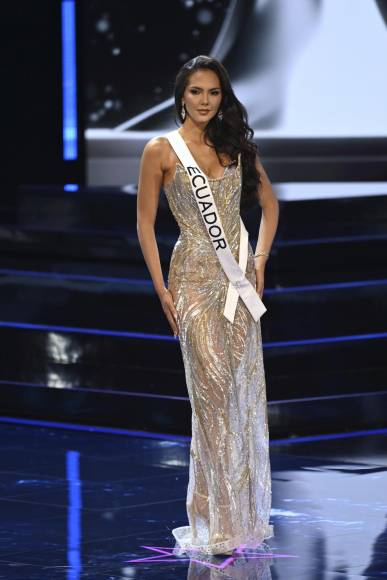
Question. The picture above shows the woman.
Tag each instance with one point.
(229, 491)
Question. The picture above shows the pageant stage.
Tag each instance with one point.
(98, 504)
(94, 435)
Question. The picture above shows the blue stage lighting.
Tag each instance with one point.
(69, 82)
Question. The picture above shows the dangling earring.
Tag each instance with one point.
(220, 115)
(182, 111)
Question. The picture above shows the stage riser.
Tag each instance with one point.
(327, 416)
(125, 381)
(115, 211)
(311, 243)
(295, 315)
(320, 261)
(174, 416)
(94, 362)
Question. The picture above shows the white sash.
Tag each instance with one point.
(239, 285)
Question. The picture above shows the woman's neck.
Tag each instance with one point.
(193, 132)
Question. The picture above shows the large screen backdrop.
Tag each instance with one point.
(303, 69)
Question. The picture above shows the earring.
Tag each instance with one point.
(182, 111)
(220, 115)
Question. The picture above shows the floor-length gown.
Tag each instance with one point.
(229, 491)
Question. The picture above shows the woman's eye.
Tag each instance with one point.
(195, 92)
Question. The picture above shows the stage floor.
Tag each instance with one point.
(85, 504)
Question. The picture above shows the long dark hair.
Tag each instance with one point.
(230, 135)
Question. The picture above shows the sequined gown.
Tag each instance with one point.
(229, 491)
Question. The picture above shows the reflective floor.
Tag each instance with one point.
(95, 505)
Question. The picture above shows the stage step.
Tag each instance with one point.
(84, 338)
(131, 305)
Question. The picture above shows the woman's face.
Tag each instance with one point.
(202, 95)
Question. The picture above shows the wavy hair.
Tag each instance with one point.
(232, 134)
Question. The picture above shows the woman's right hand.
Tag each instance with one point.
(170, 311)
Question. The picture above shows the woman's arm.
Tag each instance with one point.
(268, 226)
(149, 185)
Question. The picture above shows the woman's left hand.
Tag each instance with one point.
(260, 279)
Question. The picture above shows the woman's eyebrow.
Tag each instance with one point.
(200, 88)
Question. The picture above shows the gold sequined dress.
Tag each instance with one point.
(229, 491)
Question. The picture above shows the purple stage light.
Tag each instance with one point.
(166, 554)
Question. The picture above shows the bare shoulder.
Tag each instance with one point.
(156, 151)
(258, 162)
(261, 168)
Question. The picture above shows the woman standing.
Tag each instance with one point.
(229, 491)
